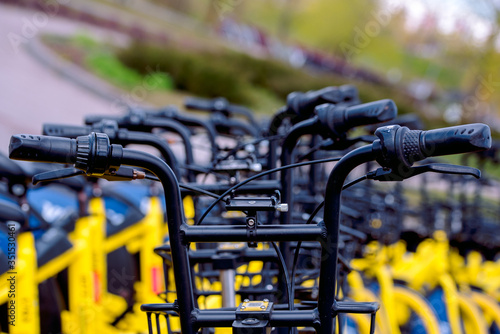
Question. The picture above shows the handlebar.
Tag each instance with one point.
(116, 136)
(396, 147)
(43, 149)
(205, 104)
(219, 104)
(69, 131)
(369, 113)
(91, 119)
(140, 122)
(400, 145)
(303, 104)
(338, 119)
(92, 153)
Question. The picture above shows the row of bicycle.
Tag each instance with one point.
(235, 241)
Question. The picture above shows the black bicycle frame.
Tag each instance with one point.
(181, 234)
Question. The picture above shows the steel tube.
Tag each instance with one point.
(227, 277)
(231, 233)
(329, 250)
(179, 251)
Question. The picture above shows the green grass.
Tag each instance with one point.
(107, 66)
(101, 59)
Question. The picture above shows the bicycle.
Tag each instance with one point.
(388, 150)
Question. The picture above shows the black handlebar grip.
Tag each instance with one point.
(205, 104)
(401, 145)
(91, 119)
(42, 149)
(92, 153)
(370, 113)
(68, 131)
(338, 119)
(303, 104)
(452, 140)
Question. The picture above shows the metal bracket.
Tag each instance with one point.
(252, 317)
(251, 231)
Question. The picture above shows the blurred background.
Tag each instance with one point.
(61, 59)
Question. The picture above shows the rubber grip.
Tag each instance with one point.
(370, 113)
(399, 146)
(304, 103)
(68, 131)
(42, 149)
(91, 119)
(411, 146)
(199, 104)
(417, 145)
(456, 139)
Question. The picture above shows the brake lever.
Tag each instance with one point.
(387, 174)
(54, 175)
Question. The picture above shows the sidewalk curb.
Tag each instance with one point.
(72, 72)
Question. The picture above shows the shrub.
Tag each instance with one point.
(239, 77)
(109, 67)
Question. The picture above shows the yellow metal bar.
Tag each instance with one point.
(489, 307)
(56, 265)
(359, 293)
(122, 238)
(4, 288)
(472, 318)
(25, 298)
(418, 305)
(452, 307)
(81, 315)
(387, 296)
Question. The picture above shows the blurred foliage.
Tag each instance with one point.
(161, 80)
(101, 59)
(85, 41)
(239, 77)
(327, 25)
(454, 63)
(190, 72)
(106, 65)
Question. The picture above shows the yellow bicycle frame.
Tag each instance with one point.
(396, 302)
(430, 267)
(84, 314)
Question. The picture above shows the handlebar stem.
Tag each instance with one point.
(180, 258)
(331, 217)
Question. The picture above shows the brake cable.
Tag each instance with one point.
(184, 186)
(274, 170)
(242, 145)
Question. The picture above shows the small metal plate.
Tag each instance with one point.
(254, 306)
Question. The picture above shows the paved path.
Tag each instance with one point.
(31, 93)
